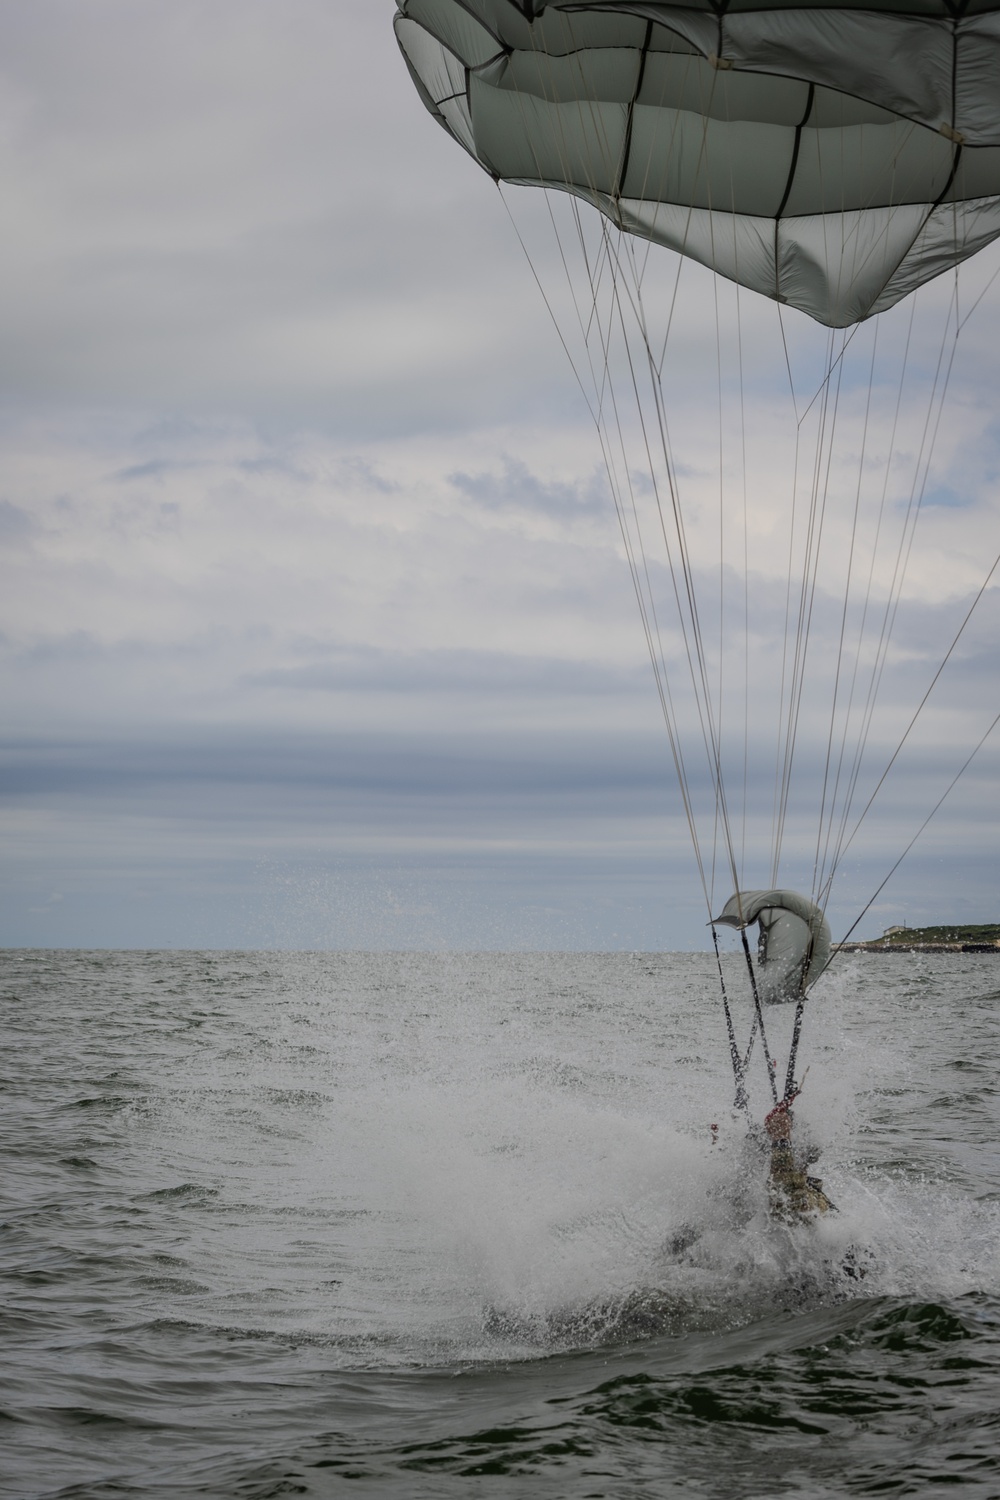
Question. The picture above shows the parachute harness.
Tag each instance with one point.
(782, 1111)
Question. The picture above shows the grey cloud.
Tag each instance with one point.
(496, 766)
(81, 648)
(943, 496)
(196, 228)
(454, 671)
(233, 226)
(516, 487)
(16, 525)
(153, 468)
(257, 841)
(355, 470)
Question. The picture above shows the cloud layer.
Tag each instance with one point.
(317, 624)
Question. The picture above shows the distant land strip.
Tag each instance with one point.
(955, 938)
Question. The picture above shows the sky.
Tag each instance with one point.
(316, 624)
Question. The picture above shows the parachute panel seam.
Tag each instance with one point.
(627, 144)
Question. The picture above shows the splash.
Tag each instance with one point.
(420, 1160)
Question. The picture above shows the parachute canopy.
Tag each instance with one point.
(794, 940)
(831, 157)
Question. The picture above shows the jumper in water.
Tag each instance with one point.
(793, 949)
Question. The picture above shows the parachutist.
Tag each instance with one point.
(793, 1194)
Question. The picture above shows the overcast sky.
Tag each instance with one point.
(315, 626)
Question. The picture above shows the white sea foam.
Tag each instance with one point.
(480, 1156)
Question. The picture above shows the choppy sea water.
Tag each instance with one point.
(431, 1225)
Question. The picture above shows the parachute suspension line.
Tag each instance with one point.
(749, 1052)
(921, 476)
(832, 366)
(549, 308)
(783, 681)
(815, 515)
(703, 693)
(817, 519)
(824, 827)
(625, 259)
(947, 791)
(758, 1016)
(702, 686)
(681, 257)
(602, 389)
(634, 290)
(793, 661)
(712, 725)
(635, 549)
(931, 427)
(788, 673)
(882, 646)
(916, 714)
(720, 721)
(720, 727)
(658, 658)
(793, 1051)
(979, 299)
(739, 1071)
(788, 366)
(639, 568)
(685, 597)
(585, 142)
(682, 248)
(868, 708)
(824, 867)
(800, 1010)
(831, 857)
(746, 588)
(646, 596)
(689, 619)
(819, 494)
(597, 411)
(596, 408)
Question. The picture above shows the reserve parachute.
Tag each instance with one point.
(793, 948)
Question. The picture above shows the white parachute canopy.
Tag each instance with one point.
(793, 948)
(830, 157)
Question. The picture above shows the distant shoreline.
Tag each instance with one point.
(880, 945)
(951, 937)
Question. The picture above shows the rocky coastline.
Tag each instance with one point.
(945, 939)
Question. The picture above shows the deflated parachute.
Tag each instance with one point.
(830, 157)
(793, 948)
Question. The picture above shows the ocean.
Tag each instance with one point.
(415, 1225)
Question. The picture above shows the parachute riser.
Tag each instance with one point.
(740, 1101)
(759, 1013)
(800, 1010)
